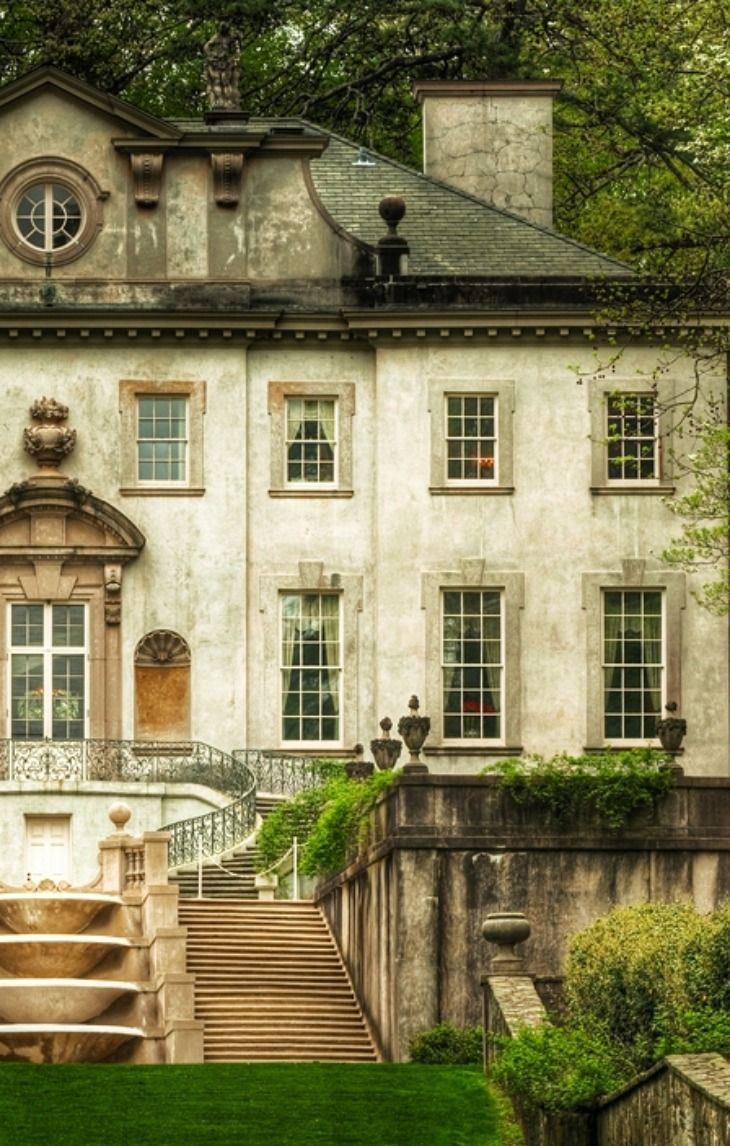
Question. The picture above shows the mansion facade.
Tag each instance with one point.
(291, 432)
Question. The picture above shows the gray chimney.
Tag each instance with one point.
(494, 140)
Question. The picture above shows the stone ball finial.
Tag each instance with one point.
(119, 814)
(386, 724)
(392, 208)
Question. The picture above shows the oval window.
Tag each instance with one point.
(48, 216)
(50, 210)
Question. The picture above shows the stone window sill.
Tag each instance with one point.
(642, 490)
(471, 490)
(162, 491)
(311, 492)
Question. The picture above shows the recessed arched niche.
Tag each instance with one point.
(162, 687)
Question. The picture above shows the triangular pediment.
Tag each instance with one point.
(46, 77)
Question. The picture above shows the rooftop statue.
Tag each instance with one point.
(221, 71)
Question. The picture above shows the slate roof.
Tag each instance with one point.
(448, 231)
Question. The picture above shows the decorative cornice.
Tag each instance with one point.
(227, 172)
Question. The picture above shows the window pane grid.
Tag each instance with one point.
(311, 440)
(311, 667)
(633, 664)
(471, 437)
(48, 671)
(162, 439)
(48, 216)
(632, 438)
(472, 669)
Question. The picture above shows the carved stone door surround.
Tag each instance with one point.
(58, 542)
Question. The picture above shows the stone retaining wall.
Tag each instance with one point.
(446, 851)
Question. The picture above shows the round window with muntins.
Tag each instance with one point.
(48, 216)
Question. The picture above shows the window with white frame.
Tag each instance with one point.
(311, 441)
(471, 438)
(472, 666)
(50, 210)
(472, 435)
(48, 216)
(162, 438)
(632, 439)
(311, 667)
(48, 659)
(633, 663)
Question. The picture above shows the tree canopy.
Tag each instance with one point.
(641, 126)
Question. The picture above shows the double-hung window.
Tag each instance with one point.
(162, 438)
(48, 658)
(311, 667)
(472, 664)
(632, 439)
(633, 663)
(311, 441)
(471, 438)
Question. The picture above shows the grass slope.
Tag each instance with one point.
(251, 1104)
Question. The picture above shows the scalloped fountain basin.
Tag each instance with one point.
(59, 1000)
(61, 912)
(62, 1042)
(56, 956)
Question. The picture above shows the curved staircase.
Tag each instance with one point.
(270, 984)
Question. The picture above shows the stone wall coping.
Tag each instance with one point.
(708, 1073)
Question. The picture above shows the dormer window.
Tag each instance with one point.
(49, 210)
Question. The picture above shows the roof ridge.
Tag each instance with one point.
(471, 198)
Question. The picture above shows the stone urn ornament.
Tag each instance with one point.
(672, 729)
(359, 768)
(414, 729)
(48, 442)
(386, 749)
(505, 929)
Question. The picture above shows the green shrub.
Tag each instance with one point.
(627, 977)
(338, 834)
(557, 1068)
(329, 823)
(294, 817)
(708, 962)
(695, 1032)
(447, 1045)
(613, 784)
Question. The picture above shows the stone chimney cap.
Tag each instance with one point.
(422, 89)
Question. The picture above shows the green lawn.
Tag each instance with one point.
(388, 1104)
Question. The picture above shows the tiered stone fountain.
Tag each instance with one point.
(98, 974)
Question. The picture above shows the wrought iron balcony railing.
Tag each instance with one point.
(124, 760)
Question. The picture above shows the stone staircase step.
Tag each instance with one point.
(270, 984)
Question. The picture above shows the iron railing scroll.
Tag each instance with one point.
(282, 774)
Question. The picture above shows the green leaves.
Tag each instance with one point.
(329, 823)
(612, 784)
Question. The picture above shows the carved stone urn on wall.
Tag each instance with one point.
(414, 729)
(48, 442)
(671, 730)
(385, 748)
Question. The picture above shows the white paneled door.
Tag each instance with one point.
(47, 845)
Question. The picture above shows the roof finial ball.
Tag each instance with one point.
(392, 208)
(393, 250)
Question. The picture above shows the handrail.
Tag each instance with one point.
(293, 851)
(284, 774)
